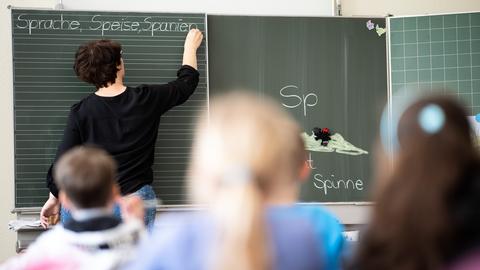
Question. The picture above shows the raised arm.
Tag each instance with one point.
(179, 90)
(192, 42)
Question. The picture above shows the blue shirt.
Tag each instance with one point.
(302, 237)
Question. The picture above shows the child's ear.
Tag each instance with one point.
(304, 172)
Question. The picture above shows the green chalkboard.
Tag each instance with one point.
(327, 72)
(437, 53)
(45, 86)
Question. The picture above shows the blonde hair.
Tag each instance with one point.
(244, 149)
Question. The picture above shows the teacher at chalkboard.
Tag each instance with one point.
(122, 120)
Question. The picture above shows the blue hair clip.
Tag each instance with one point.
(431, 118)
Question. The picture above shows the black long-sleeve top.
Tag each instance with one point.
(126, 126)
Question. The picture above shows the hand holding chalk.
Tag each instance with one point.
(193, 40)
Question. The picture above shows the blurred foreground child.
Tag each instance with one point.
(94, 238)
(247, 165)
(427, 209)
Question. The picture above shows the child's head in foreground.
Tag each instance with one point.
(86, 178)
(428, 197)
(247, 141)
(247, 154)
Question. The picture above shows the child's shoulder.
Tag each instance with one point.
(179, 218)
(313, 212)
(322, 220)
(183, 224)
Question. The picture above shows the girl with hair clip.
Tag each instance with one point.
(427, 199)
(247, 163)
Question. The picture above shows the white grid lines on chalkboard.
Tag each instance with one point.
(447, 56)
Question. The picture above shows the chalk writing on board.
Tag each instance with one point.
(103, 24)
(59, 23)
(149, 24)
(295, 99)
(309, 162)
(330, 183)
(326, 183)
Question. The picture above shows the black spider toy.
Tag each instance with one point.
(322, 134)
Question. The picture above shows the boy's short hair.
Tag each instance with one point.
(96, 62)
(87, 176)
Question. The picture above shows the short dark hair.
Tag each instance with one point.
(87, 175)
(96, 62)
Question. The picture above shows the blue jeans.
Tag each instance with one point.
(149, 198)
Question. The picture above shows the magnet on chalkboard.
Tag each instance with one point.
(370, 25)
(380, 31)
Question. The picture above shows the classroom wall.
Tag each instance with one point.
(250, 7)
(407, 7)
(278, 7)
(8, 238)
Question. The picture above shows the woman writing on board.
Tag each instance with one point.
(122, 120)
